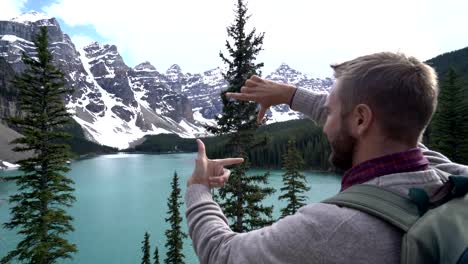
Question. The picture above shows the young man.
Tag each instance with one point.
(373, 118)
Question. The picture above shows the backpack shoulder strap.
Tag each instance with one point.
(460, 185)
(384, 204)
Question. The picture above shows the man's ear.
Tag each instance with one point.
(361, 120)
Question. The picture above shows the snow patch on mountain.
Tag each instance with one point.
(104, 127)
(31, 17)
(149, 106)
(199, 117)
(13, 38)
(117, 105)
(279, 116)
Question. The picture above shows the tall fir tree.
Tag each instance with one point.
(38, 212)
(156, 255)
(145, 248)
(448, 128)
(462, 113)
(241, 198)
(294, 182)
(174, 234)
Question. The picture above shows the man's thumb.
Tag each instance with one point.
(261, 114)
(201, 149)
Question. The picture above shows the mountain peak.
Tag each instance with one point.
(174, 69)
(145, 66)
(98, 47)
(93, 45)
(31, 17)
(284, 67)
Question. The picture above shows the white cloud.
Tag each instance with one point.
(81, 40)
(308, 35)
(10, 8)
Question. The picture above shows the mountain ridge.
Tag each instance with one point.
(116, 104)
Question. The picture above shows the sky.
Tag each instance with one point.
(308, 35)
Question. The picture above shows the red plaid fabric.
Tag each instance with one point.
(406, 161)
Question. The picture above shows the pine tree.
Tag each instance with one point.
(242, 196)
(462, 116)
(145, 248)
(447, 127)
(174, 234)
(294, 182)
(156, 255)
(38, 213)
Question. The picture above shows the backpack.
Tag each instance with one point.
(434, 231)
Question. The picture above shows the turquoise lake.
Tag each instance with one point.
(121, 196)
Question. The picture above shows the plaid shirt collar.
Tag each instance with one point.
(406, 161)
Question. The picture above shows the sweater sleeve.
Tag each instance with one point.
(311, 104)
(282, 242)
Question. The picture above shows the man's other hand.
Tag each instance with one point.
(264, 92)
(211, 172)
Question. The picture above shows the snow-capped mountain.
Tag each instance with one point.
(285, 74)
(116, 104)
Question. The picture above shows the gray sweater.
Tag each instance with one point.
(317, 233)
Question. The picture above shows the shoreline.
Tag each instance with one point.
(93, 155)
(252, 167)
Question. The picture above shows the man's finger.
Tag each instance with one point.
(261, 114)
(218, 181)
(229, 161)
(223, 173)
(221, 179)
(218, 170)
(245, 90)
(255, 78)
(216, 184)
(241, 96)
(251, 83)
(226, 174)
(201, 149)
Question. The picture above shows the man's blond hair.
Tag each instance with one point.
(401, 92)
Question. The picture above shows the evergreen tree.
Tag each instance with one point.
(156, 255)
(174, 235)
(462, 113)
(145, 248)
(38, 213)
(241, 198)
(311, 142)
(294, 182)
(448, 129)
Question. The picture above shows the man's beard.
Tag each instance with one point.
(342, 149)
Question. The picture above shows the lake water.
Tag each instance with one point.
(121, 196)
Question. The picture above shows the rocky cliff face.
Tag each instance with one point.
(110, 71)
(285, 74)
(204, 91)
(116, 104)
(152, 89)
(16, 37)
(8, 94)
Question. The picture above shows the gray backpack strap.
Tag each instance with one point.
(384, 204)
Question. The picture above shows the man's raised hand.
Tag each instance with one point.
(211, 172)
(264, 92)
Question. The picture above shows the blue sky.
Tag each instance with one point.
(87, 30)
(307, 35)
